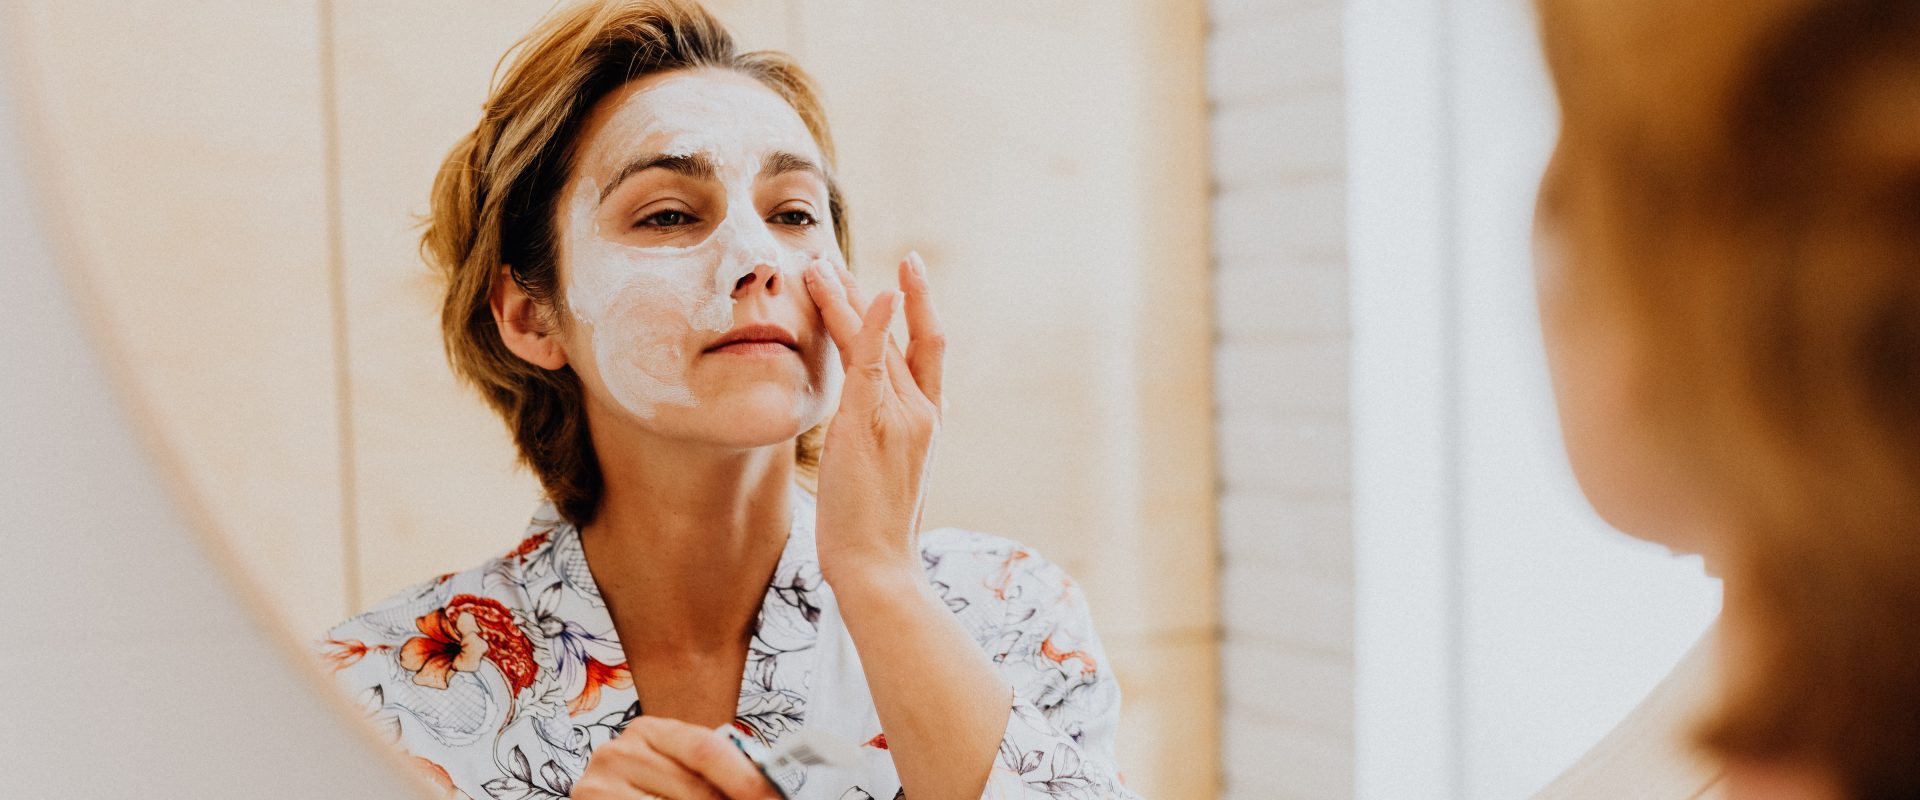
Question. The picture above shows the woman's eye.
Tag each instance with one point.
(799, 218)
(666, 219)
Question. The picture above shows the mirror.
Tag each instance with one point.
(1238, 297)
(273, 311)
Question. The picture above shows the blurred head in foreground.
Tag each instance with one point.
(1730, 289)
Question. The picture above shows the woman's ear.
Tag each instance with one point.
(519, 319)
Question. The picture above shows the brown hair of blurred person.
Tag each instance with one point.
(1730, 290)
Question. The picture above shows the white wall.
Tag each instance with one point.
(1280, 284)
(1501, 629)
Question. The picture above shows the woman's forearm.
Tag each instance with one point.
(942, 704)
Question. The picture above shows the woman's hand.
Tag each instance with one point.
(873, 467)
(942, 704)
(671, 759)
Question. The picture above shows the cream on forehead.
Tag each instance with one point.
(734, 124)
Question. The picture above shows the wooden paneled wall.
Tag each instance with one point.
(247, 180)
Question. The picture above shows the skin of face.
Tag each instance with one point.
(696, 200)
(1636, 485)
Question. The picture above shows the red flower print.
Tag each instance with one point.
(507, 646)
(341, 655)
(878, 741)
(434, 657)
(1005, 576)
(1061, 657)
(457, 637)
(598, 675)
(528, 545)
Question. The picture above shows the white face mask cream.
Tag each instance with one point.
(649, 306)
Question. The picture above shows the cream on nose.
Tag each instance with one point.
(751, 255)
(760, 254)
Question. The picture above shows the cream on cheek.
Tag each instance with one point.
(651, 308)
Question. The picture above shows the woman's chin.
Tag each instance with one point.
(759, 417)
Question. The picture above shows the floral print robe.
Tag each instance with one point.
(500, 681)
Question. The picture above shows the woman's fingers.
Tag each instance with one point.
(830, 294)
(852, 287)
(847, 282)
(869, 353)
(620, 770)
(926, 340)
(894, 366)
(709, 756)
(839, 297)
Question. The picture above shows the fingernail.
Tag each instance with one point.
(919, 264)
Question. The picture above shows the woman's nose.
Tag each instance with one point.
(765, 274)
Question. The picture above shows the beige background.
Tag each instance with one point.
(243, 179)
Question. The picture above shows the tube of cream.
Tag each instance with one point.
(786, 764)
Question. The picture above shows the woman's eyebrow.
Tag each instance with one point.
(692, 165)
(781, 162)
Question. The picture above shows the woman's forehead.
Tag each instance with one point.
(724, 115)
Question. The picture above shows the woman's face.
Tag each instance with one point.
(1634, 483)
(698, 198)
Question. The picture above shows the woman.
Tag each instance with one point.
(1731, 298)
(644, 246)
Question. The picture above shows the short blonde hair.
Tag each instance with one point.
(494, 203)
(1737, 184)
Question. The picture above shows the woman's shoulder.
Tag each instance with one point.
(958, 546)
(1025, 609)
(442, 665)
(991, 568)
(493, 588)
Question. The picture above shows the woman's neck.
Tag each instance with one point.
(687, 537)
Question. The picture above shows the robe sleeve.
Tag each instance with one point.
(1059, 741)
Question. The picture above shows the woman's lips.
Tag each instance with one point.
(756, 339)
(754, 348)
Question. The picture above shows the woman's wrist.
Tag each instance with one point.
(854, 578)
(876, 557)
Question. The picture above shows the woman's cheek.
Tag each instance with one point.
(642, 349)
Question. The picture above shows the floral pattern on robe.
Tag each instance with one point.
(500, 680)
